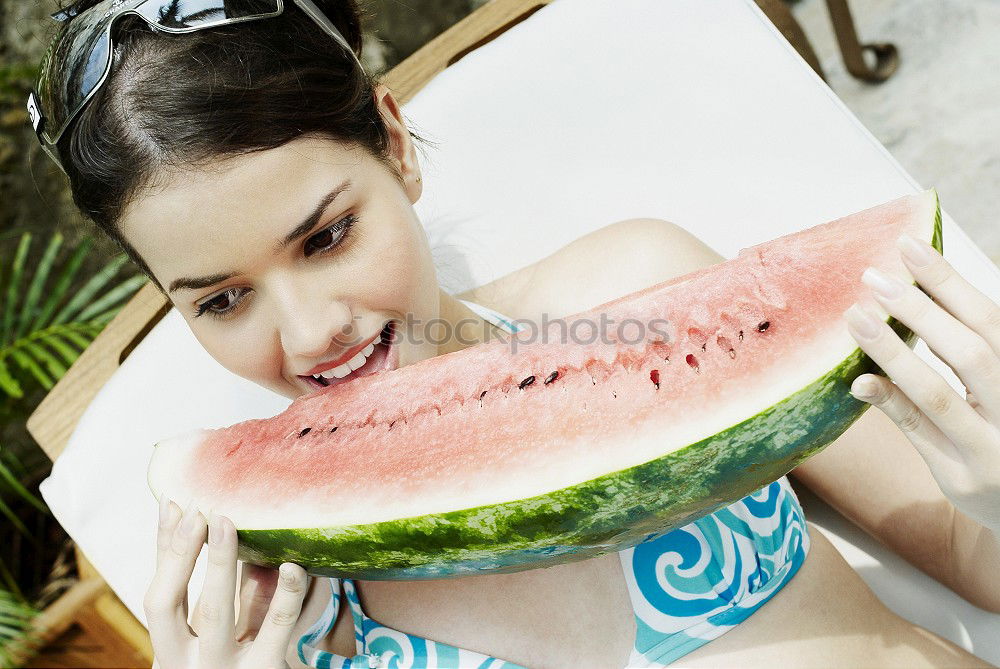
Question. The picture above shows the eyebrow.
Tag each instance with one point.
(299, 231)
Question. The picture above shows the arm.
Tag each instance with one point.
(873, 476)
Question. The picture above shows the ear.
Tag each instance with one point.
(402, 150)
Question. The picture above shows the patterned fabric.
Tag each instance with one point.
(687, 587)
(697, 582)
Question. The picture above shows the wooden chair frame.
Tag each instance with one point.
(91, 603)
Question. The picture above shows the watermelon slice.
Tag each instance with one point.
(499, 458)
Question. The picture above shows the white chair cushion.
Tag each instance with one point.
(589, 112)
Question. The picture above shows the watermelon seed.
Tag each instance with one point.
(732, 354)
(551, 377)
(482, 394)
(763, 326)
(654, 376)
(703, 347)
(334, 429)
(304, 432)
(693, 361)
(391, 424)
(741, 335)
(526, 382)
(614, 394)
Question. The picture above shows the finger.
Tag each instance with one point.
(914, 377)
(933, 445)
(216, 610)
(965, 351)
(169, 640)
(256, 590)
(170, 515)
(172, 576)
(953, 292)
(974, 403)
(275, 633)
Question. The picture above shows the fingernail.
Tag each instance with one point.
(173, 513)
(192, 520)
(884, 284)
(215, 529)
(919, 253)
(863, 387)
(285, 571)
(866, 325)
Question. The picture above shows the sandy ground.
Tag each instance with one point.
(939, 114)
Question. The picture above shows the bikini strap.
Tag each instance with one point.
(308, 653)
(491, 315)
(359, 617)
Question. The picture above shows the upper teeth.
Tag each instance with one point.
(354, 363)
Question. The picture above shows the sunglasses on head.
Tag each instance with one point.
(78, 60)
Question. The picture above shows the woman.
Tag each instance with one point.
(266, 184)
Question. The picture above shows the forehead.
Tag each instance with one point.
(200, 207)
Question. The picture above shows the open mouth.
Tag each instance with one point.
(383, 358)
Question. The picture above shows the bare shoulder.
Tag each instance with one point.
(614, 260)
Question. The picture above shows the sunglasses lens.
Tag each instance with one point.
(80, 55)
(72, 68)
(204, 13)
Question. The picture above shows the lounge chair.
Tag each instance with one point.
(552, 120)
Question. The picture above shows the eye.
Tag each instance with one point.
(332, 236)
(227, 303)
(220, 305)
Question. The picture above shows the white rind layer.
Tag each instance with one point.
(614, 447)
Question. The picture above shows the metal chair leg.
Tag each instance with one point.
(781, 16)
(852, 51)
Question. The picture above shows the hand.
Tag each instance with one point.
(257, 586)
(958, 438)
(179, 541)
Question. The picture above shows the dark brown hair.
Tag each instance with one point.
(183, 100)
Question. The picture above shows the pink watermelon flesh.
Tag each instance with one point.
(734, 340)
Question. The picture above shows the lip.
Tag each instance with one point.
(322, 367)
(385, 358)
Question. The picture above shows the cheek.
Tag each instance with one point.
(237, 349)
(404, 271)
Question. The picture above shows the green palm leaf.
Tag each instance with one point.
(12, 517)
(16, 632)
(28, 364)
(57, 344)
(96, 282)
(42, 334)
(13, 285)
(78, 333)
(56, 368)
(8, 383)
(63, 282)
(16, 485)
(29, 309)
(116, 295)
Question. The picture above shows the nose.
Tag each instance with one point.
(313, 325)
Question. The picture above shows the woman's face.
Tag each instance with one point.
(286, 260)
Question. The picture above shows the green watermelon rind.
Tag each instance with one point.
(585, 520)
